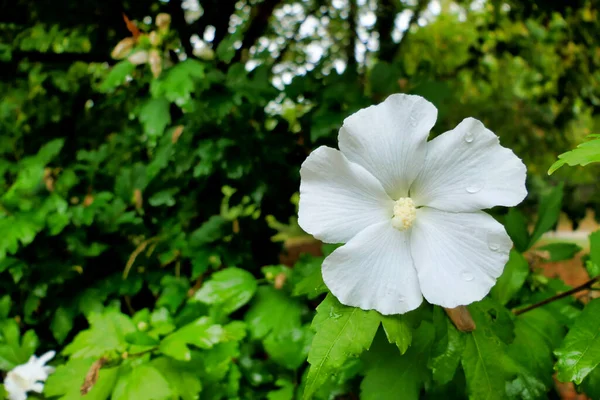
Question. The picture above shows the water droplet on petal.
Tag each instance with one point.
(474, 188)
(494, 246)
(401, 299)
(469, 137)
(413, 121)
(467, 276)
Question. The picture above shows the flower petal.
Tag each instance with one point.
(338, 198)
(466, 169)
(374, 271)
(389, 140)
(458, 256)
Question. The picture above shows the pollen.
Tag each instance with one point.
(405, 213)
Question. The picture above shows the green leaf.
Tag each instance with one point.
(142, 381)
(516, 227)
(116, 76)
(591, 384)
(66, 381)
(512, 279)
(62, 323)
(486, 365)
(448, 348)
(398, 331)
(584, 154)
(548, 213)
(387, 373)
(308, 277)
(106, 334)
(272, 311)
(561, 251)
(202, 333)
(182, 377)
(285, 391)
(209, 232)
(341, 333)
(141, 339)
(230, 288)
(14, 349)
(595, 249)
(537, 333)
(289, 348)
(579, 353)
(155, 116)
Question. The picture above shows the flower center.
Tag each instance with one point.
(405, 213)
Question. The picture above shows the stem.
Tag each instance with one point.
(559, 296)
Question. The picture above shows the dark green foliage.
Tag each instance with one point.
(148, 194)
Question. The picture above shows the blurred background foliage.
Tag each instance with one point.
(150, 154)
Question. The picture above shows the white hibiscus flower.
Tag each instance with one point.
(28, 377)
(408, 210)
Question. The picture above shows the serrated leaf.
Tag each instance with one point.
(106, 334)
(561, 251)
(272, 311)
(202, 333)
(486, 365)
(308, 277)
(584, 154)
(595, 249)
(14, 349)
(230, 288)
(182, 377)
(516, 227)
(341, 333)
(116, 76)
(448, 348)
(155, 116)
(397, 330)
(209, 232)
(62, 323)
(548, 213)
(512, 279)
(537, 333)
(388, 373)
(579, 353)
(142, 381)
(66, 381)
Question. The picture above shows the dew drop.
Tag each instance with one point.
(401, 299)
(474, 188)
(469, 137)
(334, 315)
(494, 246)
(493, 242)
(413, 121)
(467, 276)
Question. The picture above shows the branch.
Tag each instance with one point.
(421, 5)
(351, 47)
(559, 296)
(180, 25)
(258, 25)
(386, 14)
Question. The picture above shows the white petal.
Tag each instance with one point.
(466, 169)
(374, 271)
(458, 256)
(338, 198)
(44, 358)
(389, 140)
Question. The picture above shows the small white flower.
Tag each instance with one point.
(28, 377)
(408, 210)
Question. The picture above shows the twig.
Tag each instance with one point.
(559, 296)
(141, 247)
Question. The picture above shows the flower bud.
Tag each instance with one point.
(155, 63)
(163, 21)
(139, 57)
(123, 48)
